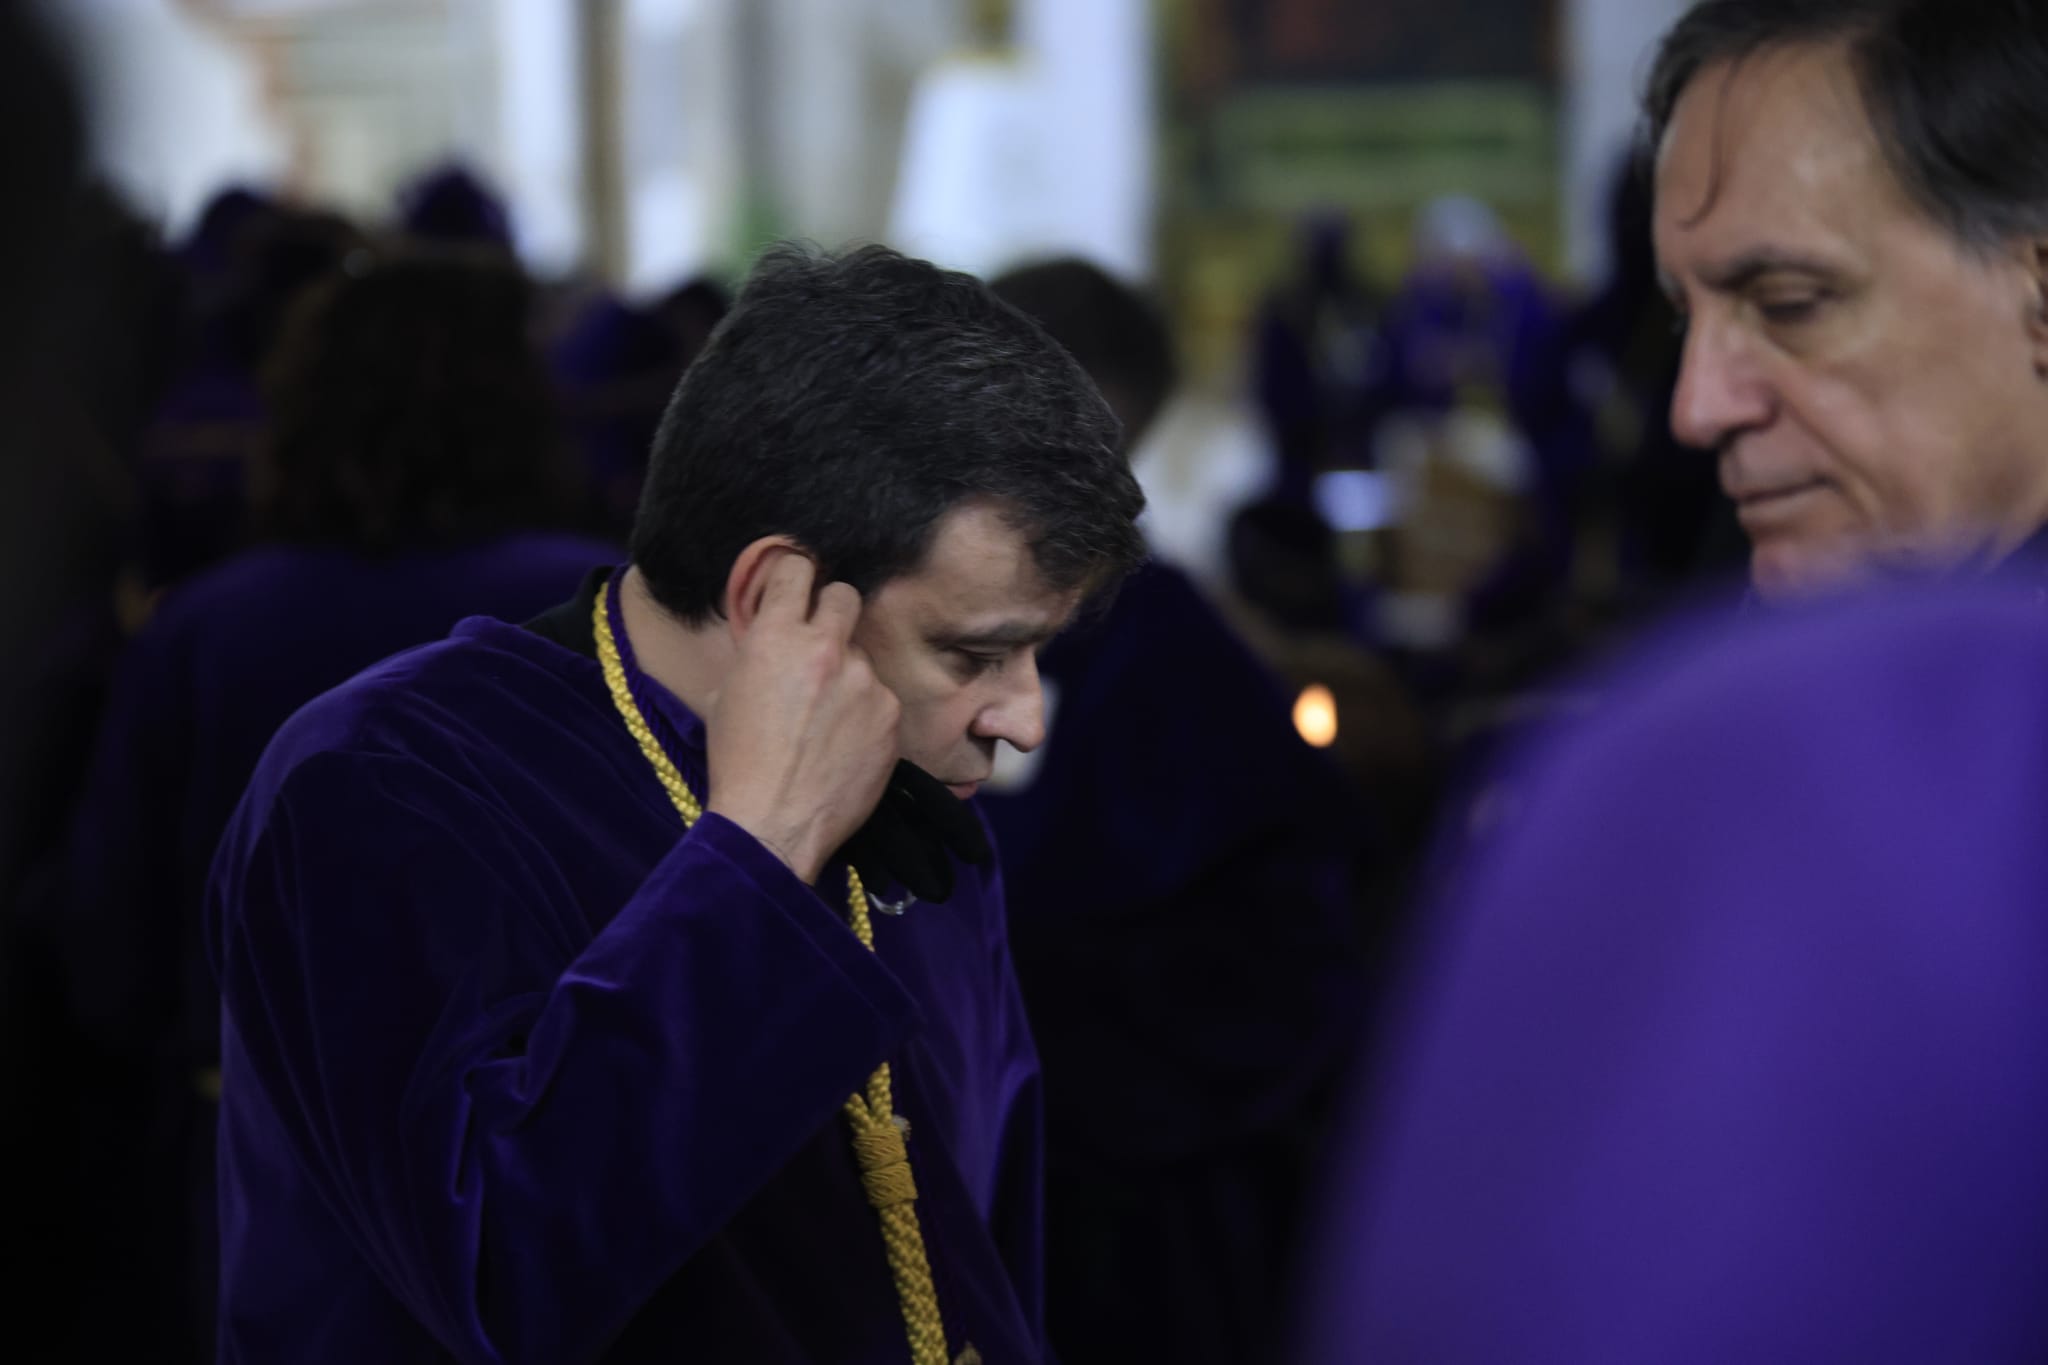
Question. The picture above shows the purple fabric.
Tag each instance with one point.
(224, 661)
(1732, 1047)
(517, 1071)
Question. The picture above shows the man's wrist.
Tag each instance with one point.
(789, 851)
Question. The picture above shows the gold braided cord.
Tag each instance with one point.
(878, 1139)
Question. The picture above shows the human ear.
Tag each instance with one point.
(2035, 259)
(746, 584)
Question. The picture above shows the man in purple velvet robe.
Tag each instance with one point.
(542, 1010)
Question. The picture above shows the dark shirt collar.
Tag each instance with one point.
(570, 625)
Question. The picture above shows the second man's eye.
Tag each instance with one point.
(974, 662)
(1785, 312)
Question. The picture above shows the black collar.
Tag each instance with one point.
(570, 624)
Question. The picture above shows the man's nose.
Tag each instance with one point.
(1721, 390)
(1018, 714)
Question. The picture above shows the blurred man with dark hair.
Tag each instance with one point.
(1179, 866)
(408, 407)
(412, 452)
(551, 956)
(1116, 334)
(1852, 213)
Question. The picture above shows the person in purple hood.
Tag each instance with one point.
(633, 985)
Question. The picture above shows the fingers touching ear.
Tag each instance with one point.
(771, 577)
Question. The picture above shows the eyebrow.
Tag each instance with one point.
(1750, 266)
(1009, 635)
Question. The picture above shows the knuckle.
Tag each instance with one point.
(821, 662)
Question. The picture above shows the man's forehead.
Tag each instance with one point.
(1776, 143)
(1019, 610)
(979, 578)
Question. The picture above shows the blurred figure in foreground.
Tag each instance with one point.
(101, 368)
(1185, 937)
(41, 165)
(412, 454)
(44, 501)
(1729, 1047)
(1852, 213)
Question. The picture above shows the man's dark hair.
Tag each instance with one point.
(1956, 91)
(1116, 333)
(849, 402)
(408, 407)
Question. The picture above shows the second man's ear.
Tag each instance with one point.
(748, 578)
(2037, 262)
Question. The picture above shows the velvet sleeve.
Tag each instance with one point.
(526, 1130)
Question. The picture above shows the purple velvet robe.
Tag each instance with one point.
(516, 1070)
(224, 662)
(1735, 1045)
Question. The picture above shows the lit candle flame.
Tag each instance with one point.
(1315, 715)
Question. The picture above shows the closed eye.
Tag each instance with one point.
(974, 663)
(1789, 312)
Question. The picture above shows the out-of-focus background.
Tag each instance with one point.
(1407, 283)
(1410, 461)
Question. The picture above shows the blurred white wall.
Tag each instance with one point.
(535, 124)
(1608, 45)
(656, 136)
(178, 108)
(1043, 151)
(1096, 58)
(681, 178)
(338, 102)
(832, 87)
